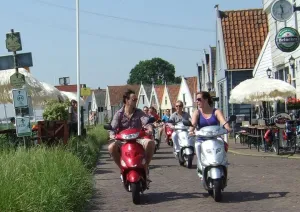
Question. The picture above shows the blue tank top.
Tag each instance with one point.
(212, 120)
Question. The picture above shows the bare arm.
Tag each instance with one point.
(194, 120)
(114, 124)
(222, 120)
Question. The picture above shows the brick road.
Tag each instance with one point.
(255, 184)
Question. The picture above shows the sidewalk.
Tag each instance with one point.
(240, 149)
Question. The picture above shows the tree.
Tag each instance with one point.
(155, 70)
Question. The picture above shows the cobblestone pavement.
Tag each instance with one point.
(255, 184)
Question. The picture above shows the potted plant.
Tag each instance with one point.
(55, 124)
(293, 103)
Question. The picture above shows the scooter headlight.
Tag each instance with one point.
(208, 151)
(131, 136)
(123, 163)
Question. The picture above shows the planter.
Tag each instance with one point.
(52, 132)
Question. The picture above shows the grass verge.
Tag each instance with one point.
(50, 179)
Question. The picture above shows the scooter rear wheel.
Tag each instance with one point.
(135, 190)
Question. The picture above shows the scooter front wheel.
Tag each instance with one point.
(189, 161)
(135, 190)
(217, 190)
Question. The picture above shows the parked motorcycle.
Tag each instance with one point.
(212, 162)
(133, 160)
(186, 144)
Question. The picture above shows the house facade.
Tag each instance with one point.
(206, 71)
(144, 96)
(281, 68)
(156, 97)
(169, 98)
(240, 38)
(187, 93)
(114, 98)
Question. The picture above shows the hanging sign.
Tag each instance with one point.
(287, 39)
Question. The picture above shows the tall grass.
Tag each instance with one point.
(49, 179)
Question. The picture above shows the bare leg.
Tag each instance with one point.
(114, 151)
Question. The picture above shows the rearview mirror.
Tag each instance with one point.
(107, 127)
(170, 121)
(186, 123)
(151, 120)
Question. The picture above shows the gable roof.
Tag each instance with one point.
(192, 84)
(116, 92)
(173, 91)
(244, 33)
(148, 89)
(159, 89)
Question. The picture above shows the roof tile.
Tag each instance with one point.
(244, 33)
(116, 92)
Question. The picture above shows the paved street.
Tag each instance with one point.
(255, 184)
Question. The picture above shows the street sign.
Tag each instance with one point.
(23, 127)
(20, 98)
(85, 92)
(17, 80)
(13, 42)
(287, 39)
(23, 60)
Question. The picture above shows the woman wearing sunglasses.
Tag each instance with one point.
(206, 115)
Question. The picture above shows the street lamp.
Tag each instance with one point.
(269, 72)
(209, 86)
(292, 62)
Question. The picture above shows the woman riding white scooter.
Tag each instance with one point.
(206, 115)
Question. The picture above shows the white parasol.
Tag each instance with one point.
(261, 89)
(52, 92)
(33, 86)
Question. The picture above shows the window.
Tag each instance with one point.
(166, 101)
(143, 99)
(183, 97)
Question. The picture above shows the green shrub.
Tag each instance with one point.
(55, 110)
(88, 149)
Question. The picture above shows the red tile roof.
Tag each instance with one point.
(192, 84)
(68, 88)
(159, 89)
(173, 91)
(116, 92)
(244, 33)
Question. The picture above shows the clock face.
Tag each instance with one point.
(282, 10)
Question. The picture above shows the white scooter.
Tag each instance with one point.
(212, 162)
(186, 144)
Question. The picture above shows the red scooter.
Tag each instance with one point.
(133, 161)
(168, 134)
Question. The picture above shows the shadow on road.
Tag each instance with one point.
(103, 171)
(237, 197)
(155, 198)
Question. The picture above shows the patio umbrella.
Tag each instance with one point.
(33, 86)
(52, 92)
(258, 90)
(71, 95)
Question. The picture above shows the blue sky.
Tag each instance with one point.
(49, 33)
